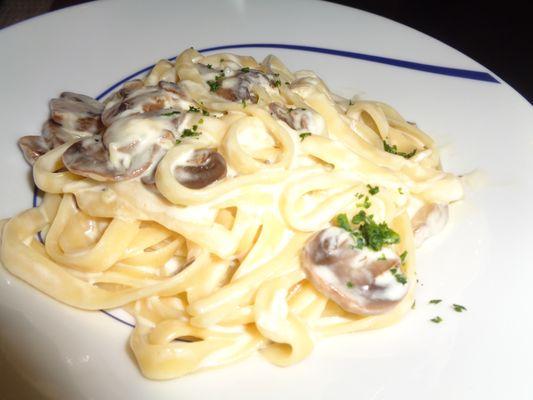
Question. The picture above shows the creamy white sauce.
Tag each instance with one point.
(135, 136)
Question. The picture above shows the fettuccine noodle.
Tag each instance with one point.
(203, 198)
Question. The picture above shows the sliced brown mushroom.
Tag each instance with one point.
(359, 281)
(239, 87)
(136, 98)
(428, 221)
(296, 118)
(77, 112)
(129, 148)
(33, 147)
(55, 134)
(204, 167)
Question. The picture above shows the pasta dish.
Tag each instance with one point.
(231, 207)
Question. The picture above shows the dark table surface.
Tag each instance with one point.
(498, 35)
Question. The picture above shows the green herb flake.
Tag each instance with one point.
(178, 141)
(243, 102)
(349, 284)
(200, 121)
(400, 190)
(373, 189)
(304, 135)
(342, 222)
(365, 204)
(435, 301)
(394, 150)
(400, 278)
(213, 85)
(382, 257)
(287, 83)
(193, 109)
(359, 195)
(245, 69)
(170, 114)
(458, 308)
(403, 256)
(277, 83)
(190, 133)
(414, 305)
(209, 66)
(205, 113)
(359, 218)
(436, 320)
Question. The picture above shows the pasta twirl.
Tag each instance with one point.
(231, 207)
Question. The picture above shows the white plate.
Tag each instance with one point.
(480, 261)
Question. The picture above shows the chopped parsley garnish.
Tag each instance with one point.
(342, 222)
(205, 112)
(213, 85)
(359, 217)
(349, 284)
(171, 113)
(304, 135)
(287, 83)
(403, 256)
(394, 150)
(373, 189)
(458, 308)
(365, 204)
(382, 257)
(209, 66)
(178, 141)
(367, 232)
(190, 133)
(436, 320)
(277, 83)
(243, 102)
(435, 301)
(245, 69)
(193, 109)
(400, 278)
(200, 121)
(400, 190)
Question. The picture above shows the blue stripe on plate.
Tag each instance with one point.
(434, 69)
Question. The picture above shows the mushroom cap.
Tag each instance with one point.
(33, 147)
(128, 148)
(135, 98)
(239, 86)
(204, 167)
(298, 118)
(77, 112)
(359, 280)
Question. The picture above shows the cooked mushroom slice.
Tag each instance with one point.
(360, 281)
(298, 118)
(55, 134)
(88, 157)
(77, 112)
(202, 168)
(128, 148)
(136, 99)
(428, 221)
(33, 147)
(238, 87)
